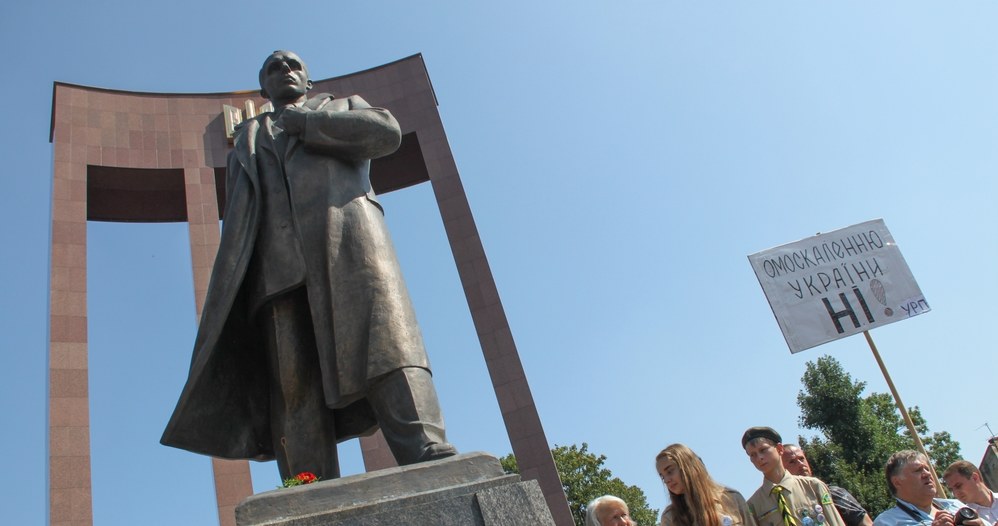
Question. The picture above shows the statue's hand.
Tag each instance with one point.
(292, 120)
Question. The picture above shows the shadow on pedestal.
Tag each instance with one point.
(465, 490)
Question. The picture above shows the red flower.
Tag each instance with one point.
(306, 477)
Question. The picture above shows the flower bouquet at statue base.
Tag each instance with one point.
(305, 477)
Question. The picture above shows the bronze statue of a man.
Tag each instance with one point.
(308, 336)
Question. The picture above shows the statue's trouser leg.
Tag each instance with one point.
(302, 426)
(408, 412)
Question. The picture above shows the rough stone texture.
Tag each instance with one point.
(469, 489)
(514, 505)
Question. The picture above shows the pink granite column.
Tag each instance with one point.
(69, 411)
(376, 452)
(516, 403)
(202, 226)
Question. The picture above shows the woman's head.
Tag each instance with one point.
(693, 493)
(677, 465)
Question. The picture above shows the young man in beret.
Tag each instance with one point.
(785, 499)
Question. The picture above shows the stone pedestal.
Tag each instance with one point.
(465, 490)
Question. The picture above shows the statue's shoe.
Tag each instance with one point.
(437, 452)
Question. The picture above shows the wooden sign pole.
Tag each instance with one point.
(904, 412)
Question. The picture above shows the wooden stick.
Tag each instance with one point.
(904, 413)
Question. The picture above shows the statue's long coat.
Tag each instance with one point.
(322, 227)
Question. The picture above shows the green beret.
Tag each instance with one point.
(761, 432)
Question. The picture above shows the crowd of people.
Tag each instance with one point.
(791, 496)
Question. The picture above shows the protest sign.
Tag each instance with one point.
(837, 284)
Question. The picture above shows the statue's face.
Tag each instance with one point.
(284, 78)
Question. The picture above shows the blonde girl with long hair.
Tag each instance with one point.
(696, 499)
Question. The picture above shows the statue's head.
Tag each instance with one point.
(284, 78)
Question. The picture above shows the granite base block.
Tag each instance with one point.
(468, 489)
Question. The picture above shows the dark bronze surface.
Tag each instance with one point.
(308, 335)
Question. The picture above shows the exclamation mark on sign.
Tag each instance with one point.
(877, 288)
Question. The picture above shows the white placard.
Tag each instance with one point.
(837, 284)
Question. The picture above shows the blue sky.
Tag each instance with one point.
(621, 159)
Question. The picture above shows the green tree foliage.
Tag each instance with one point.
(860, 433)
(584, 478)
